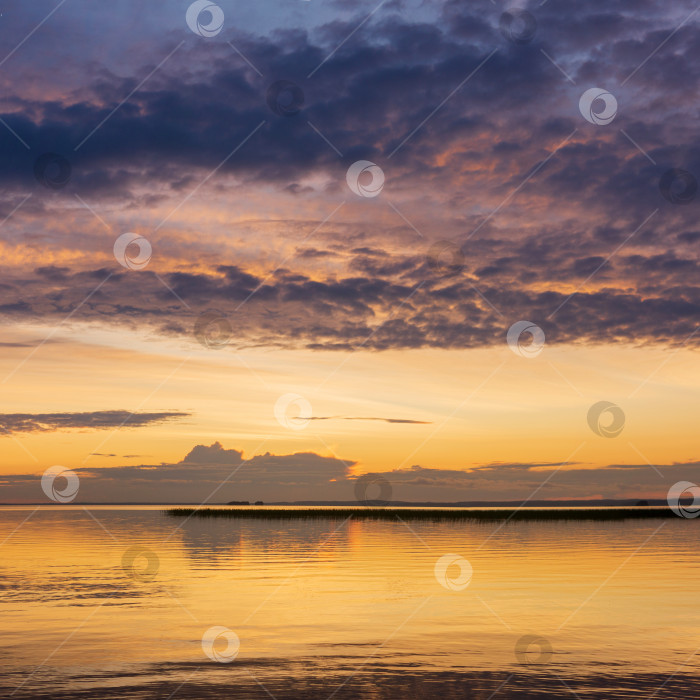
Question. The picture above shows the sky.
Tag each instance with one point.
(255, 251)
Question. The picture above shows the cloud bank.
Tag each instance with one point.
(214, 474)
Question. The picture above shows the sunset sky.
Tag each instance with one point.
(275, 287)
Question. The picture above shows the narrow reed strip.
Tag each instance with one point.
(430, 514)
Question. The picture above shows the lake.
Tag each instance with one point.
(129, 602)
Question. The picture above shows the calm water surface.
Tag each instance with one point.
(344, 609)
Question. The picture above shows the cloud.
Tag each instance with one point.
(214, 474)
(207, 472)
(548, 210)
(385, 420)
(376, 312)
(90, 420)
(540, 481)
(113, 455)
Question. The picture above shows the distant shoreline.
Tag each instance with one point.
(597, 503)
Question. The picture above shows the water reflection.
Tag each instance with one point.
(214, 539)
(115, 602)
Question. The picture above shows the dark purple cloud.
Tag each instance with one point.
(413, 309)
(87, 420)
(543, 206)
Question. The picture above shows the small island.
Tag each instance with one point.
(244, 503)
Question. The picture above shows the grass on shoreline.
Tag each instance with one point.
(384, 513)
